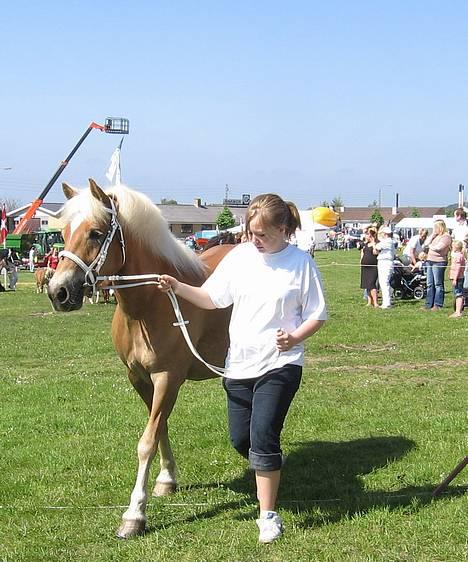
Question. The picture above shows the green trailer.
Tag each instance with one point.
(20, 243)
(43, 240)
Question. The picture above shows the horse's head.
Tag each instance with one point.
(93, 244)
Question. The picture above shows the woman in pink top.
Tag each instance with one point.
(436, 264)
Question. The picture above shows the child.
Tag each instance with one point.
(418, 267)
(456, 275)
(267, 331)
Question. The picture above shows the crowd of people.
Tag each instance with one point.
(429, 254)
(10, 264)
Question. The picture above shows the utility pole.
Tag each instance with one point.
(380, 193)
(226, 193)
(461, 196)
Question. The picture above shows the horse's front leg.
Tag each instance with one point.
(164, 396)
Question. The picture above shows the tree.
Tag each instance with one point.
(377, 218)
(165, 201)
(337, 202)
(324, 204)
(225, 219)
(10, 203)
(415, 212)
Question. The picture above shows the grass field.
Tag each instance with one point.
(379, 421)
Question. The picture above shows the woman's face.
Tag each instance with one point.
(267, 240)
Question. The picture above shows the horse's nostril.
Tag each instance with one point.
(62, 295)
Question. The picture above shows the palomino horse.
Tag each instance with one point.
(43, 275)
(122, 232)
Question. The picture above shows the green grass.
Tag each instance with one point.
(379, 421)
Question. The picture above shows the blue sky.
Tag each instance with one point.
(307, 99)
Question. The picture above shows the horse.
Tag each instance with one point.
(42, 275)
(103, 289)
(121, 232)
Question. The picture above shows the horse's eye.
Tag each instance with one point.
(96, 235)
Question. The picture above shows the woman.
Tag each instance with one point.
(369, 267)
(52, 259)
(385, 250)
(437, 256)
(278, 302)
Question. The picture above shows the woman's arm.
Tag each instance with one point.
(287, 340)
(440, 243)
(196, 295)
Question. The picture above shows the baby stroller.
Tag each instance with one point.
(407, 284)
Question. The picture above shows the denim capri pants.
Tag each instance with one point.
(257, 409)
(458, 288)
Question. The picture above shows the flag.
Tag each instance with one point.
(113, 173)
(4, 229)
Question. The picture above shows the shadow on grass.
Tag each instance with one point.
(322, 481)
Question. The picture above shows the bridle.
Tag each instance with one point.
(92, 270)
(92, 277)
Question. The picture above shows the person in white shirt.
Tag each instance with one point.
(278, 302)
(32, 256)
(385, 250)
(414, 247)
(460, 230)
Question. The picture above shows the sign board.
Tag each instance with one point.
(244, 202)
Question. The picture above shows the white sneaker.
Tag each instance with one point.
(271, 528)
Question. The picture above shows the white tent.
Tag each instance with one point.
(415, 223)
(311, 230)
(236, 229)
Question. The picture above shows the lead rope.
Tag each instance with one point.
(92, 277)
(181, 322)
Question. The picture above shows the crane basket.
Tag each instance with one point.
(116, 125)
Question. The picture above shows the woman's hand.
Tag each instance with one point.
(166, 282)
(284, 340)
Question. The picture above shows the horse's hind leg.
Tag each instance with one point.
(166, 481)
(164, 396)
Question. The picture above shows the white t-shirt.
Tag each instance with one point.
(268, 292)
(460, 231)
(387, 249)
(413, 243)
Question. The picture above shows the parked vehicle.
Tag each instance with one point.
(43, 240)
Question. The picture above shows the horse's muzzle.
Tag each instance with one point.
(66, 296)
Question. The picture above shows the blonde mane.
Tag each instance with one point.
(138, 214)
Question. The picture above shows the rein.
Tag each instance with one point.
(181, 322)
(92, 277)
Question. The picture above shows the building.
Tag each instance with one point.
(359, 217)
(45, 217)
(184, 219)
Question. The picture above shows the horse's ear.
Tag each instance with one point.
(98, 193)
(69, 191)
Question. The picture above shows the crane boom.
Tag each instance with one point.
(109, 127)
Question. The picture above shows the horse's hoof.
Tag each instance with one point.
(130, 528)
(164, 489)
